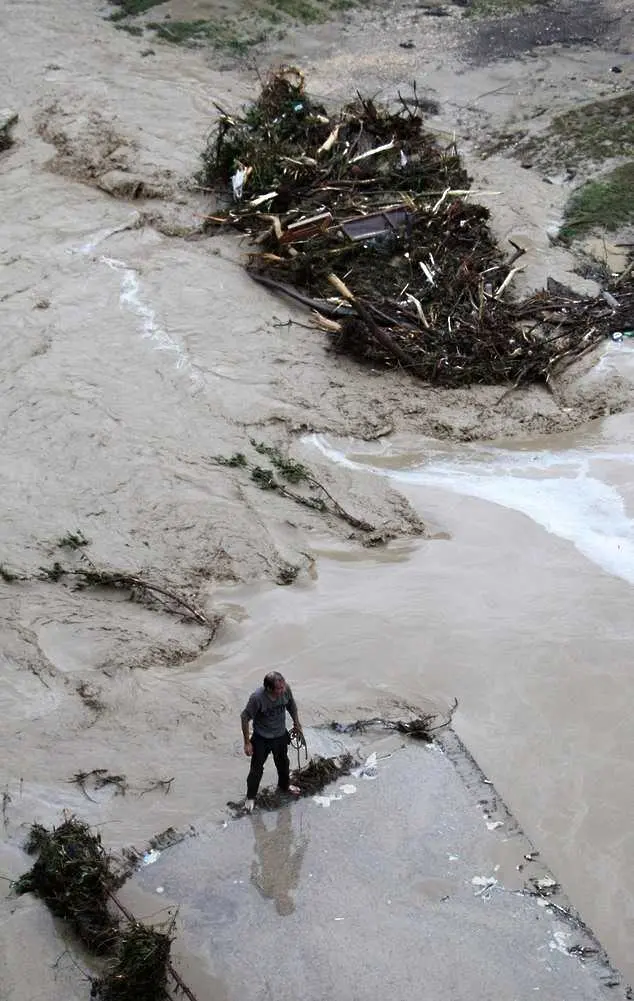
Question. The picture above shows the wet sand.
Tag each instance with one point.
(133, 356)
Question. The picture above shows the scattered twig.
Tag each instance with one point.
(421, 727)
(295, 473)
(101, 778)
(164, 784)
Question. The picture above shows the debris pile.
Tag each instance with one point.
(320, 772)
(310, 780)
(366, 219)
(77, 879)
(74, 877)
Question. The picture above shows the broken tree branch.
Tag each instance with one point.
(379, 333)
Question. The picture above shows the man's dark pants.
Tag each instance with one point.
(262, 747)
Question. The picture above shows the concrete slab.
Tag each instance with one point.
(408, 884)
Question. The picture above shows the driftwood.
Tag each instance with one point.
(379, 333)
(107, 578)
(91, 575)
(421, 727)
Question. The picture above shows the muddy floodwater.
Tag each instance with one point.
(135, 351)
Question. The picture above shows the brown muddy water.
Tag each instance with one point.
(132, 355)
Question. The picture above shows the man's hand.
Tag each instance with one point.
(248, 748)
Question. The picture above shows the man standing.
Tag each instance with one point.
(266, 709)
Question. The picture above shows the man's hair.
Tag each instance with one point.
(272, 679)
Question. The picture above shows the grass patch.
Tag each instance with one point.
(132, 29)
(236, 34)
(132, 8)
(141, 970)
(596, 131)
(605, 203)
(271, 15)
(223, 36)
(300, 10)
(499, 8)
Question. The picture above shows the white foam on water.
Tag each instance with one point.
(131, 298)
(103, 234)
(575, 506)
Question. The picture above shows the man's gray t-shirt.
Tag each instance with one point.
(269, 715)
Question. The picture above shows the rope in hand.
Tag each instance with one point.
(298, 741)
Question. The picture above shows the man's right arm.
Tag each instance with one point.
(246, 716)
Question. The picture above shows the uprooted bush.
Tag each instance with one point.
(76, 879)
(74, 876)
(363, 216)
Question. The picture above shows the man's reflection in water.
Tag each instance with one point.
(278, 860)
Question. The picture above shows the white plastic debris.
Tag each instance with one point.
(151, 857)
(160, 889)
(492, 825)
(325, 801)
(486, 884)
(348, 789)
(237, 182)
(322, 801)
(368, 769)
(546, 883)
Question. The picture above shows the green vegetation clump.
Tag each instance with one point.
(301, 10)
(74, 877)
(606, 203)
(132, 8)
(141, 969)
(499, 8)
(132, 29)
(221, 35)
(597, 131)
(236, 34)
